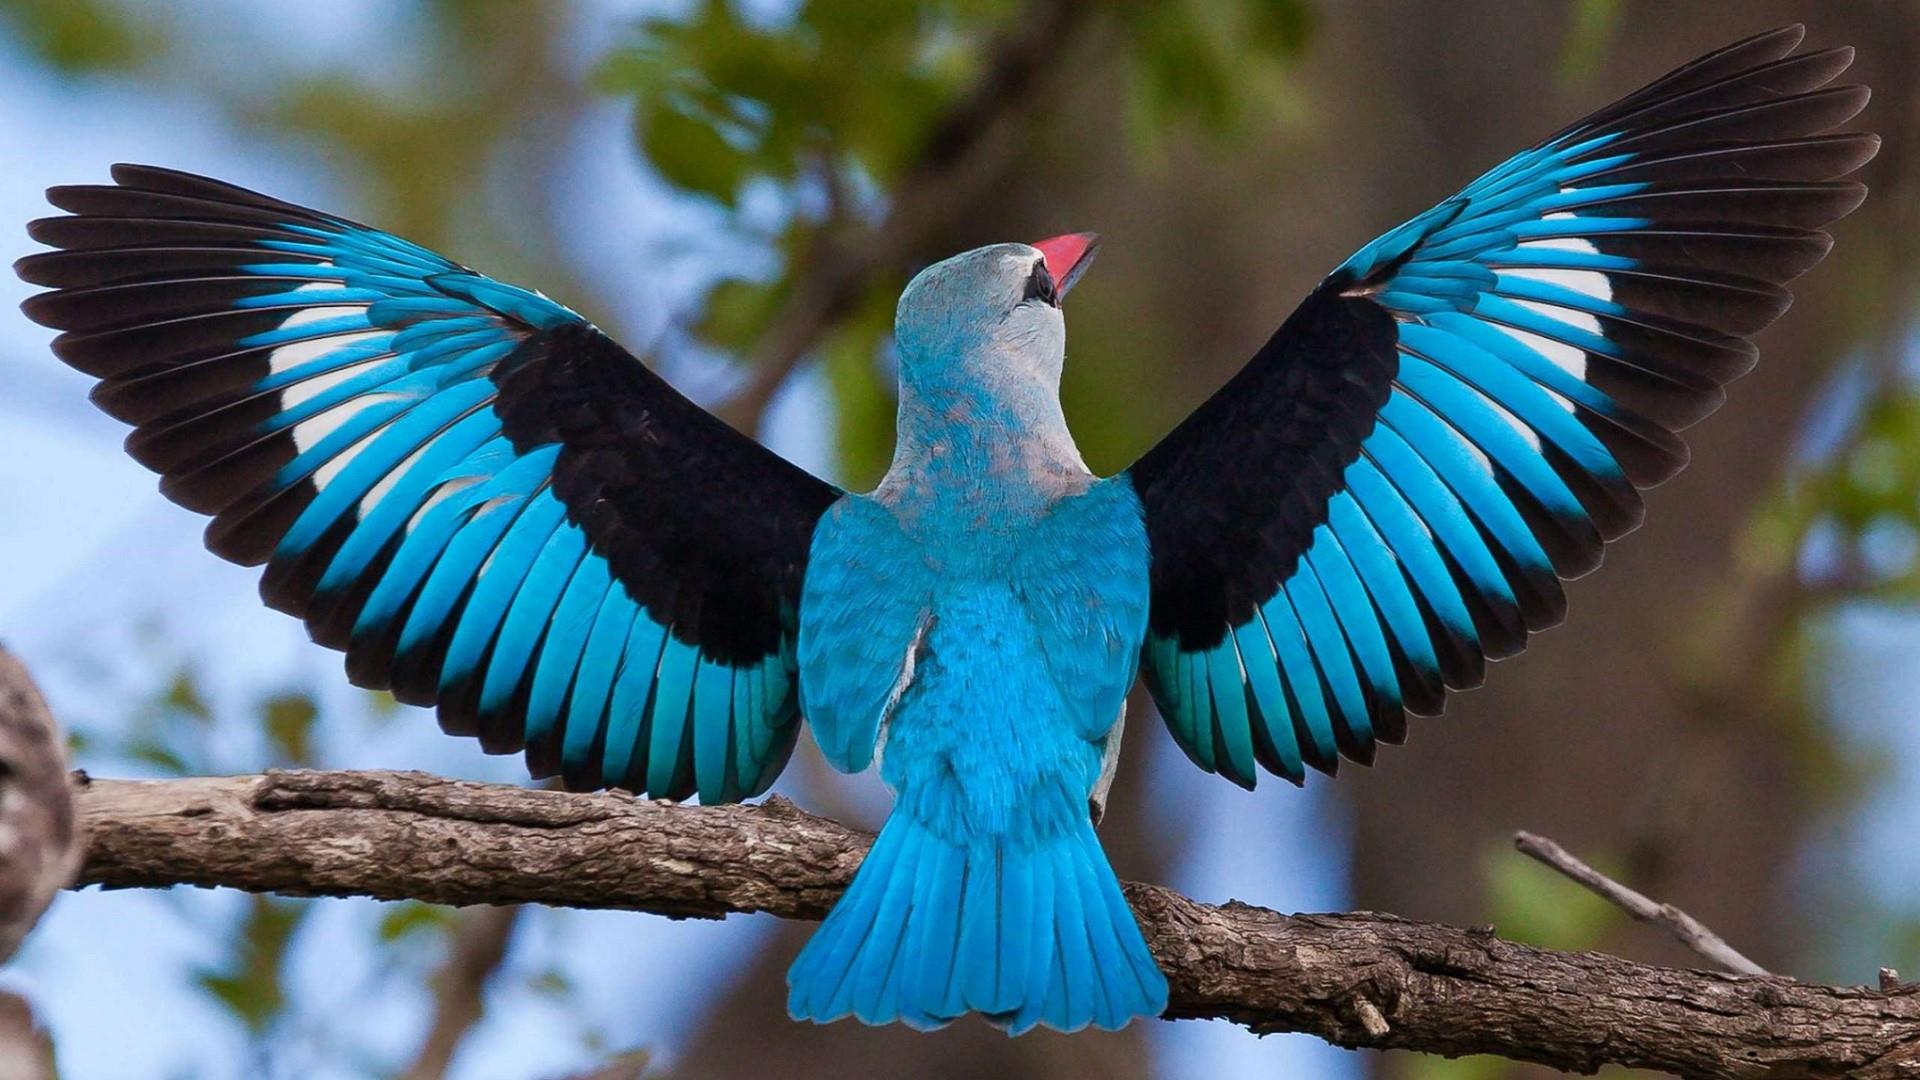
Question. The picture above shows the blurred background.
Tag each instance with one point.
(738, 190)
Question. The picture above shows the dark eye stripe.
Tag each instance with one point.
(1040, 285)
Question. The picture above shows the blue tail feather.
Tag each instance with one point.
(1022, 933)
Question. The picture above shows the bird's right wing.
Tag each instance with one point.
(1462, 414)
(486, 502)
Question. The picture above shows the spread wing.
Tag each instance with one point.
(488, 504)
(1462, 414)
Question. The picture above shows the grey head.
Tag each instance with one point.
(990, 318)
(981, 342)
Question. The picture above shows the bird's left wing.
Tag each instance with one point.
(1461, 415)
(487, 503)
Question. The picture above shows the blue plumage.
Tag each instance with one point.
(495, 510)
(973, 624)
(355, 412)
(1552, 324)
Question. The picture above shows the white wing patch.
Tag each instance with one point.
(1567, 358)
(1585, 282)
(901, 683)
(1110, 763)
(308, 433)
(440, 494)
(1590, 283)
(306, 389)
(1560, 243)
(295, 353)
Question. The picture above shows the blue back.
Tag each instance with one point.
(988, 550)
(975, 623)
(1024, 639)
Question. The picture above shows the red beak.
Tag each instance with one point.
(1068, 257)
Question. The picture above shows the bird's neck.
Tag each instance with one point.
(996, 445)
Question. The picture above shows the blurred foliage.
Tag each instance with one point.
(248, 980)
(422, 146)
(84, 35)
(721, 99)
(1589, 35)
(169, 724)
(175, 730)
(1858, 504)
(288, 722)
(1220, 66)
(857, 90)
(863, 391)
(407, 919)
(832, 108)
(172, 729)
(1540, 906)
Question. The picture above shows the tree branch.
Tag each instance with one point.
(26, 1051)
(1690, 931)
(39, 846)
(1360, 980)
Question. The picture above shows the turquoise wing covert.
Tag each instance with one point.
(485, 502)
(1462, 414)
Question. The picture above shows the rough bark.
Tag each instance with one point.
(1359, 980)
(39, 848)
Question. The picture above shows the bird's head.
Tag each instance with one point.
(991, 313)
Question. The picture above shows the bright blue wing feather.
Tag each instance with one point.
(350, 435)
(1557, 320)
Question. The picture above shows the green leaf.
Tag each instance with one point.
(690, 153)
(182, 696)
(411, 918)
(85, 35)
(248, 983)
(1533, 903)
(738, 311)
(151, 751)
(1589, 35)
(1210, 64)
(288, 720)
(382, 706)
(551, 983)
(1279, 27)
(1472, 1067)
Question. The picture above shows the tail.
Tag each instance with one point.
(1023, 933)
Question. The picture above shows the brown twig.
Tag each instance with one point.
(26, 1053)
(475, 947)
(1690, 931)
(967, 149)
(631, 1065)
(1357, 979)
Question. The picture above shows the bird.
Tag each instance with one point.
(495, 510)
